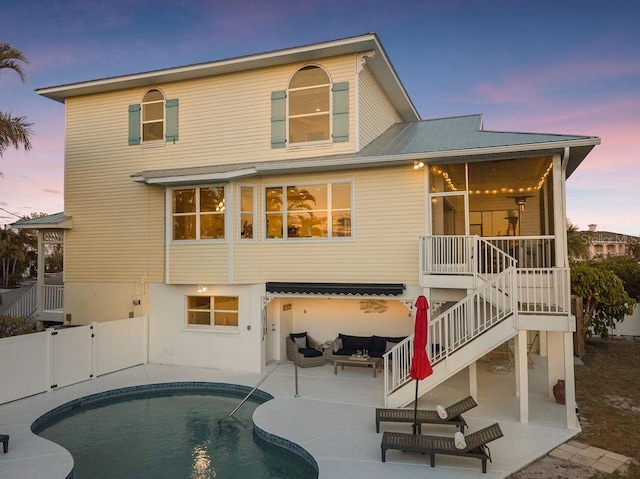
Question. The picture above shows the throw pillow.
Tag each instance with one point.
(301, 341)
(337, 345)
(442, 412)
(459, 440)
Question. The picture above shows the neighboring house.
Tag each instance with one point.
(236, 201)
(607, 243)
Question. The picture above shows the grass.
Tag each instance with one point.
(608, 397)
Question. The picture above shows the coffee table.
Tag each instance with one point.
(360, 362)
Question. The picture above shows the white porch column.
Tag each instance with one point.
(559, 211)
(41, 273)
(522, 374)
(543, 344)
(569, 381)
(473, 380)
(555, 359)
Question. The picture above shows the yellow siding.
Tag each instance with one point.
(198, 263)
(376, 111)
(389, 218)
(118, 232)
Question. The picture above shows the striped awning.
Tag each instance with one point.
(349, 289)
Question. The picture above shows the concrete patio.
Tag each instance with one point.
(333, 419)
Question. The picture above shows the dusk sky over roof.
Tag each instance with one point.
(568, 67)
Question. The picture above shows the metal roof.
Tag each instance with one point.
(54, 221)
(378, 62)
(442, 140)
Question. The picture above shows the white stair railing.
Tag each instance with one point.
(25, 306)
(491, 303)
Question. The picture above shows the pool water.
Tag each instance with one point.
(169, 434)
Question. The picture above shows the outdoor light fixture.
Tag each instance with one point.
(418, 164)
(520, 201)
(202, 288)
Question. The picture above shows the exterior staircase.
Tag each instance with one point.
(462, 334)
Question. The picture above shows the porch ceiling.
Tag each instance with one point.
(507, 173)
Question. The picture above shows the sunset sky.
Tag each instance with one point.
(563, 66)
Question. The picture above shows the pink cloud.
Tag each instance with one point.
(527, 87)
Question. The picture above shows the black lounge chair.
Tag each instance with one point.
(4, 439)
(427, 416)
(432, 445)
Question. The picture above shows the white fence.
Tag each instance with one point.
(630, 326)
(39, 362)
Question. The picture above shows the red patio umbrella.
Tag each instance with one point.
(420, 366)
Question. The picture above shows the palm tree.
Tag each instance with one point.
(14, 131)
(577, 246)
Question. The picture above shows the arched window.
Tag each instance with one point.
(309, 105)
(153, 116)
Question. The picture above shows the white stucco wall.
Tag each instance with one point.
(170, 342)
(325, 318)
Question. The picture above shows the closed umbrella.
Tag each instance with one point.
(420, 366)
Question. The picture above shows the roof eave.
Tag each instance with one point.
(379, 62)
(191, 179)
(65, 224)
(357, 162)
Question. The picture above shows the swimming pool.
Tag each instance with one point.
(172, 430)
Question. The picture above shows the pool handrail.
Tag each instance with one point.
(263, 380)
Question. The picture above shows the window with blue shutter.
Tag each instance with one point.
(341, 112)
(171, 113)
(154, 119)
(278, 119)
(134, 124)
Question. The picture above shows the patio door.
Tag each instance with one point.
(449, 214)
(270, 333)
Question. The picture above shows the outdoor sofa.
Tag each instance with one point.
(375, 346)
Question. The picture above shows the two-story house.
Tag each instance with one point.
(236, 201)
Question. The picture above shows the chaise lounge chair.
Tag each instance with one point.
(476, 444)
(427, 416)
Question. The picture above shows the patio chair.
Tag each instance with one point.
(307, 355)
(4, 439)
(427, 416)
(476, 444)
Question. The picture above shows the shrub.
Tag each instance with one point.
(13, 326)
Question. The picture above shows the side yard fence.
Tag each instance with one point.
(39, 362)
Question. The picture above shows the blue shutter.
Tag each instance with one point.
(278, 119)
(171, 117)
(134, 124)
(341, 111)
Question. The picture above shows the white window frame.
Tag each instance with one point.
(143, 122)
(211, 327)
(316, 143)
(198, 214)
(329, 238)
(253, 188)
